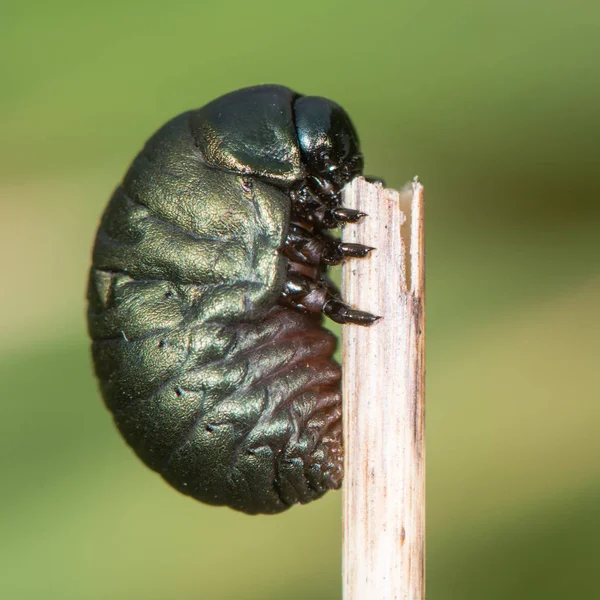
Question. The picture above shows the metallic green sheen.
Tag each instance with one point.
(232, 399)
(252, 131)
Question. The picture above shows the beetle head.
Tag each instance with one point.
(328, 142)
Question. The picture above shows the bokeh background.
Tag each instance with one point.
(495, 105)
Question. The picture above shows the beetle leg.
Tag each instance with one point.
(306, 247)
(334, 217)
(335, 252)
(297, 286)
(303, 292)
(302, 246)
(341, 313)
(310, 296)
(305, 203)
(310, 249)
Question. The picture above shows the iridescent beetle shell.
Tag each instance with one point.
(206, 296)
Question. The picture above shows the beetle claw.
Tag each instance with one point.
(340, 216)
(336, 252)
(341, 313)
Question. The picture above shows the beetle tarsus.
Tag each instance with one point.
(312, 248)
(336, 252)
(340, 216)
(341, 313)
(311, 296)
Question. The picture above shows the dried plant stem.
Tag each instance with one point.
(384, 399)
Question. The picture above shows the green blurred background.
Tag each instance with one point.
(495, 106)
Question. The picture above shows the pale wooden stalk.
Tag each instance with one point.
(384, 398)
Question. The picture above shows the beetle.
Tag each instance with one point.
(206, 296)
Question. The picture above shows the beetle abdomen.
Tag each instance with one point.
(246, 415)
